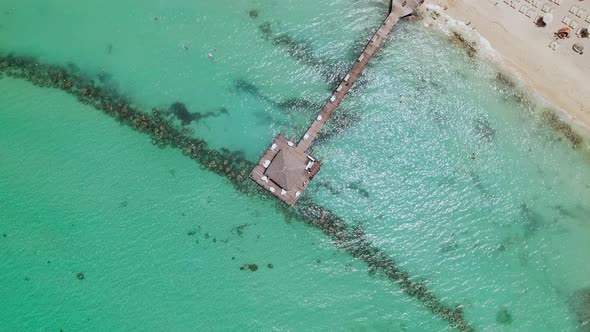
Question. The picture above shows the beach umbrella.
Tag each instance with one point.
(578, 48)
(566, 30)
(548, 18)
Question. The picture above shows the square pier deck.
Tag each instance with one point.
(285, 170)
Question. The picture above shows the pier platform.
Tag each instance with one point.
(286, 169)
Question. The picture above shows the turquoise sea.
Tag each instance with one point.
(444, 168)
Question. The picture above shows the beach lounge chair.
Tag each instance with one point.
(346, 77)
(581, 13)
(535, 3)
(554, 45)
(574, 24)
(574, 9)
(588, 18)
(339, 88)
(273, 147)
(566, 20)
(507, 2)
(523, 9)
(546, 8)
(513, 4)
(361, 58)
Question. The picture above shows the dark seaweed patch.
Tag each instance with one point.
(180, 111)
(531, 220)
(251, 89)
(565, 212)
(266, 30)
(476, 179)
(469, 47)
(303, 52)
(504, 80)
(357, 186)
(503, 317)
(579, 304)
(299, 50)
(484, 130)
(328, 185)
(290, 104)
(339, 122)
(449, 246)
(298, 104)
(239, 230)
(557, 124)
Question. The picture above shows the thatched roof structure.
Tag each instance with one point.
(286, 169)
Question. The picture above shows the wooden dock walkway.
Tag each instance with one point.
(371, 48)
(296, 165)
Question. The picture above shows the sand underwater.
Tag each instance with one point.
(444, 202)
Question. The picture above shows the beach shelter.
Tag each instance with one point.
(585, 33)
(286, 169)
(563, 32)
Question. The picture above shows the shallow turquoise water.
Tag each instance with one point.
(155, 235)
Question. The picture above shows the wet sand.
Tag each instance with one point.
(559, 77)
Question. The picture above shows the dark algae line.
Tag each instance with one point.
(231, 165)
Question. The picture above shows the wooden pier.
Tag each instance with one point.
(286, 169)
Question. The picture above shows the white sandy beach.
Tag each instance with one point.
(561, 76)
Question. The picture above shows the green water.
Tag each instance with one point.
(159, 240)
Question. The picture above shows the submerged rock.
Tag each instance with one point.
(503, 317)
(251, 267)
(579, 304)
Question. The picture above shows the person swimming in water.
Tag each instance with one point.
(211, 57)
